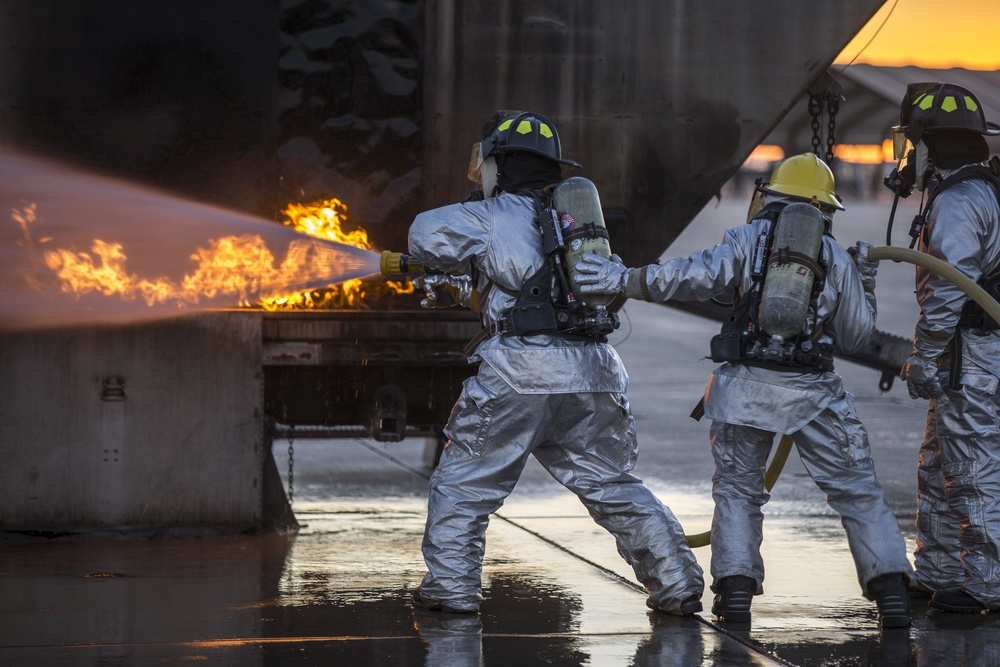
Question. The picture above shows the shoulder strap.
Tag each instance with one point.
(967, 174)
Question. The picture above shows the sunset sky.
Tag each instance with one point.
(935, 34)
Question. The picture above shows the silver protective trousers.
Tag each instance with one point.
(586, 441)
(958, 496)
(835, 451)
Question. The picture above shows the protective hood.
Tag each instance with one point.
(523, 171)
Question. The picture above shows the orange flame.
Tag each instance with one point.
(231, 266)
(325, 220)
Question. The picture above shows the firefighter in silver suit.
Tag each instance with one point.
(782, 386)
(956, 349)
(555, 396)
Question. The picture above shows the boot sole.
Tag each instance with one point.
(433, 605)
(888, 622)
(954, 609)
(739, 610)
(731, 616)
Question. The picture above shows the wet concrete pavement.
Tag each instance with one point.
(556, 590)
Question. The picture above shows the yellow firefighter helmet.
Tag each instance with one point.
(805, 178)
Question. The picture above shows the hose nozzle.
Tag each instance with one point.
(397, 264)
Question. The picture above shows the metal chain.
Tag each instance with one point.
(291, 464)
(832, 107)
(815, 110)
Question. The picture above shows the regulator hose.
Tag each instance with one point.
(922, 259)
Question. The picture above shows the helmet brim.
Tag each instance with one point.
(992, 129)
(805, 195)
(528, 151)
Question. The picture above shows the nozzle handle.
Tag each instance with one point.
(397, 263)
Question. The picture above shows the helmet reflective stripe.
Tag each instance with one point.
(525, 127)
(522, 132)
(948, 103)
(935, 107)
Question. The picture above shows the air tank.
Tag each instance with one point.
(582, 223)
(788, 283)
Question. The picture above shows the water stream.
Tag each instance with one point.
(76, 248)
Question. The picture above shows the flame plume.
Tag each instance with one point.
(325, 219)
(242, 266)
(79, 248)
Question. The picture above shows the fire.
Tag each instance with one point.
(325, 219)
(239, 266)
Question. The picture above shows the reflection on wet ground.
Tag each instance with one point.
(338, 591)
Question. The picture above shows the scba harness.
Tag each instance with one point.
(546, 304)
(541, 310)
(743, 340)
(973, 316)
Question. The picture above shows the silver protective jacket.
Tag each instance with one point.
(958, 509)
(561, 401)
(499, 236)
(746, 395)
(749, 405)
(962, 231)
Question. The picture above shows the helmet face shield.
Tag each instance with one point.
(900, 142)
(476, 162)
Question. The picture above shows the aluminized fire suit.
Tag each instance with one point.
(562, 401)
(749, 404)
(958, 497)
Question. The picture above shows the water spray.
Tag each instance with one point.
(86, 249)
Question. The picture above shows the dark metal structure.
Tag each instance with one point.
(387, 374)
(252, 104)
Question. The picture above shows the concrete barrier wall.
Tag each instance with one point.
(158, 424)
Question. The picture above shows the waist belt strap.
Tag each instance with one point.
(488, 331)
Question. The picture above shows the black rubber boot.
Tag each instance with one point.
(421, 602)
(892, 599)
(689, 607)
(958, 602)
(733, 598)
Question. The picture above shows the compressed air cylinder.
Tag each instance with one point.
(788, 282)
(582, 223)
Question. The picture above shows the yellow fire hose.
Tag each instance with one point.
(946, 271)
(922, 259)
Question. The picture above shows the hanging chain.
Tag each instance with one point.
(815, 110)
(832, 107)
(291, 464)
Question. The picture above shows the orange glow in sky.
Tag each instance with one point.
(934, 34)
